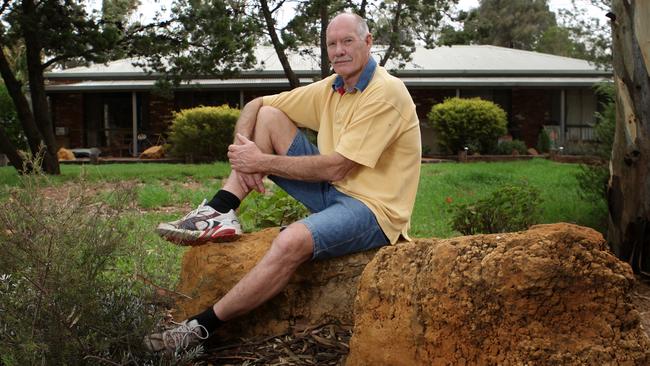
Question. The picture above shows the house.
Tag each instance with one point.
(110, 105)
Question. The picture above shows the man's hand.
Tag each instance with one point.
(244, 156)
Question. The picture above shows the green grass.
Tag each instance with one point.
(158, 186)
(443, 184)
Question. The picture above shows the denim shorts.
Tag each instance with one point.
(339, 224)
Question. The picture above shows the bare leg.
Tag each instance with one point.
(291, 248)
(274, 133)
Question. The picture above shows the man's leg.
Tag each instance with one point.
(216, 221)
(274, 133)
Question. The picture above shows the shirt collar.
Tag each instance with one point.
(364, 79)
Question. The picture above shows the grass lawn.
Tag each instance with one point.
(163, 192)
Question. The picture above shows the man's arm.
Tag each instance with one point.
(246, 157)
(247, 118)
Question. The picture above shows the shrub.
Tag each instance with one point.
(276, 208)
(543, 142)
(507, 147)
(63, 299)
(510, 208)
(203, 133)
(9, 120)
(472, 122)
(593, 179)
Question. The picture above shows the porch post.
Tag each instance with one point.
(457, 93)
(134, 122)
(562, 115)
(241, 99)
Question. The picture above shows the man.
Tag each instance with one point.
(360, 183)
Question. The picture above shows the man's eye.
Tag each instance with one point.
(347, 42)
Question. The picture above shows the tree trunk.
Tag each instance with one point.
(324, 21)
(294, 82)
(37, 90)
(628, 193)
(8, 148)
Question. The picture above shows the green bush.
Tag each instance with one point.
(276, 208)
(9, 120)
(510, 208)
(543, 142)
(507, 147)
(474, 123)
(593, 179)
(203, 133)
(63, 298)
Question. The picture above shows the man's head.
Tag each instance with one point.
(348, 46)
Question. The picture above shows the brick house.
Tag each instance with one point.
(108, 106)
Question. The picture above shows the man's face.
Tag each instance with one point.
(347, 52)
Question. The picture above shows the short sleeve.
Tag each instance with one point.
(302, 105)
(369, 133)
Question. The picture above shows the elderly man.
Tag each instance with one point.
(359, 183)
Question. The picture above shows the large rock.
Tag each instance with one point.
(550, 295)
(319, 292)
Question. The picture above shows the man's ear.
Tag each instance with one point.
(369, 40)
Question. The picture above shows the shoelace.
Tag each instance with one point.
(196, 211)
(178, 337)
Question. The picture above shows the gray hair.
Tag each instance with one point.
(362, 25)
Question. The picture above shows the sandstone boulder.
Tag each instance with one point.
(550, 295)
(65, 154)
(154, 152)
(319, 292)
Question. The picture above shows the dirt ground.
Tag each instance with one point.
(641, 299)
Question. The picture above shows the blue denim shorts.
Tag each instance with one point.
(339, 224)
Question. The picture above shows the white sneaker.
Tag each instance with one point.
(205, 224)
(184, 335)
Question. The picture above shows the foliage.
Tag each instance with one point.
(593, 179)
(593, 33)
(508, 147)
(63, 299)
(275, 208)
(472, 122)
(526, 25)
(543, 142)
(205, 37)
(203, 132)
(509, 208)
(9, 120)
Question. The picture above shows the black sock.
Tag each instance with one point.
(209, 320)
(224, 201)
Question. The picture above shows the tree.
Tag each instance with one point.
(51, 32)
(628, 193)
(515, 24)
(203, 37)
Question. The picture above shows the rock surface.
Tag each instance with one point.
(319, 292)
(550, 295)
(154, 152)
(65, 154)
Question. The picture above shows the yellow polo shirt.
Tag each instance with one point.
(377, 128)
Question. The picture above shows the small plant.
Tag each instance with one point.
(472, 122)
(63, 299)
(276, 208)
(543, 142)
(510, 147)
(203, 133)
(510, 208)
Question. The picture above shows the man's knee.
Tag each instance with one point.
(274, 127)
(294, 244)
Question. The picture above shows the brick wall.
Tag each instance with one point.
(160, 113)
(531, 109)
(67, 112)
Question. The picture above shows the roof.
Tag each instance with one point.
(442, 66)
